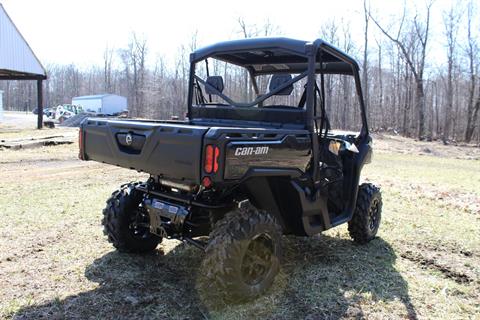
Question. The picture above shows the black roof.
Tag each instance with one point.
(277, 55)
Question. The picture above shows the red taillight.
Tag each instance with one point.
(211, 159)
(208, 166)
(215, 159)
(80, 144)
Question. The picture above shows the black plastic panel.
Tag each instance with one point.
(172, 151)
(265, 116)
(289, 152)
(131, 143)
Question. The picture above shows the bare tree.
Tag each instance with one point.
(140, 52)
(107, 68)
(380, 82)
(471, 51)
(365, 58)
(413, 46)
(329, 32)
(347, 46)
(247, 32)
(134, 59)
(450, 20)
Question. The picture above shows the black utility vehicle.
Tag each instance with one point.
(254, 160)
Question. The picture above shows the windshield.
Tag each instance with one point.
(220, 83)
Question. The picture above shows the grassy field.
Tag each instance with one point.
(55, 262)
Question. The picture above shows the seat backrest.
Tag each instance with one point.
(279, 79)
(216, 82)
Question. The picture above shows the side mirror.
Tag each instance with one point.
(216, 82)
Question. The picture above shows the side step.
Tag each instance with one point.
(315, 217)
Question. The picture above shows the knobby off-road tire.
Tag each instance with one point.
(126, 224)
(368, 212)
(242, 256)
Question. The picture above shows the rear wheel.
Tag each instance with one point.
(242, 256)
(368, 212)
(126, 222)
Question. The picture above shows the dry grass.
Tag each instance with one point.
(55, 262)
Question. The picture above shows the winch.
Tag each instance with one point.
(165, 216)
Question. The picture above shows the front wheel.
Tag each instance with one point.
(242, 256)
(368, 212)
(126, 223)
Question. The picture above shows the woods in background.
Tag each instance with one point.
(407, 92)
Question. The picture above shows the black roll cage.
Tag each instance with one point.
(322, 58)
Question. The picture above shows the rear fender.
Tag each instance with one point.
(298, 212)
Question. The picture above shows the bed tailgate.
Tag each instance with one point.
(170, 150)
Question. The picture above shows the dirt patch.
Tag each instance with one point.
(460, 200)
(31, 249)
(436, 263)
(449, 248)
(36, 142)
(399, 144)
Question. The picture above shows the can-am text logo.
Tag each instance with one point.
(248, 151)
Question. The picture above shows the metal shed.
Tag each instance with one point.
(17, 60)
(102, 103)
(1, 105)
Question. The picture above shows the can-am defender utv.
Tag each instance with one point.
(251, 162)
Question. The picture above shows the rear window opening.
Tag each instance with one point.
(220, 83)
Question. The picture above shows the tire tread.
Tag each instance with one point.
(358, 226)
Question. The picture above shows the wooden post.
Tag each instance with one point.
(40, 103)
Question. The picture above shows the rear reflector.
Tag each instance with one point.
(206, 182)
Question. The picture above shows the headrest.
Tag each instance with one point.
(216, 82)
(279, 79)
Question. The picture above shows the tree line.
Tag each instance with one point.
(405, 91)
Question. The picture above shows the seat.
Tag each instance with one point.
(278, 80)
(216, 82)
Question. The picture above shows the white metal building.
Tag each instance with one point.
(102, 103)
(17, 60)
(1, 105)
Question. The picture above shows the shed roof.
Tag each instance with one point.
(95, 96)
(17, 60)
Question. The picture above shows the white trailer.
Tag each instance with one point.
(102, 103)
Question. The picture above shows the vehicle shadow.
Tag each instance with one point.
(329, 278)
(322, 278)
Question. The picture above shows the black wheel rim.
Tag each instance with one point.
(373, 215)
(257, 261)
(139, 225)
